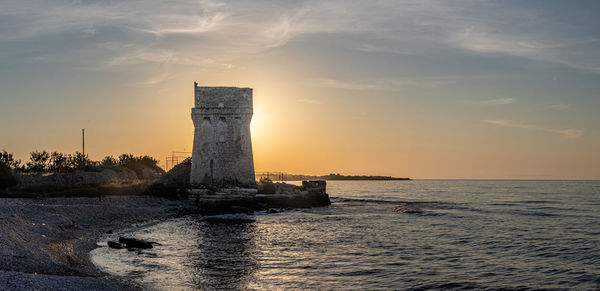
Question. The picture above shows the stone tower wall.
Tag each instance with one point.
(222, 145)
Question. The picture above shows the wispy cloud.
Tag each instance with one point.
(498, 101)
(309, 101)
(531, 36)
(566, 132)
(224, 28)
(387, 85)
(201, 25)
(491, 41)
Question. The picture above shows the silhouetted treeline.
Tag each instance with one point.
(55, 162)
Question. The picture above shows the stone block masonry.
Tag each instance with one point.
(222, 149)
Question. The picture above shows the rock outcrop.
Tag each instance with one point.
(248, 200)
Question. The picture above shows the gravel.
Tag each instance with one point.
(45, 243)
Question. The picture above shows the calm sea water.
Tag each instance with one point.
(407, 235)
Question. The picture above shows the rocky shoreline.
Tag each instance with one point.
(45, 243)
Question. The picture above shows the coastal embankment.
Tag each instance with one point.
(45, 242)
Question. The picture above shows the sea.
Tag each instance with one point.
(383, 235)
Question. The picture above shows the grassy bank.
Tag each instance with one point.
(44, 191)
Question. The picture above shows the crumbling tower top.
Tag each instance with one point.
(222, 97)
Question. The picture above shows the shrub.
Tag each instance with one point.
(7, 179)
(138, 164)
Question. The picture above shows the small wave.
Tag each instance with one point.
(361, 272)
(345, 199)
(542, 207)
(414, 207)
(449, 286)
(405, 208)
(466, 286)
(503, 204)
(536, 202)
(534, 213)
(229, 218)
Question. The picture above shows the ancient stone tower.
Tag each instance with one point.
(222, 146)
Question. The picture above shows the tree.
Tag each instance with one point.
(124, 159)
(38, 161)
(8, 160)
(80, 161)
(109, 161)
(148, 161)
(59, 162)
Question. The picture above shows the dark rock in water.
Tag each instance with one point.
(135, 243)
(114, 245)
(109, 231)
(272, 211)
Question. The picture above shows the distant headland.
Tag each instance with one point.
(334, 177)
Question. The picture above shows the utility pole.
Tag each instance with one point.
(83, 140)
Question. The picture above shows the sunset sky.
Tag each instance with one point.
(421, 89)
